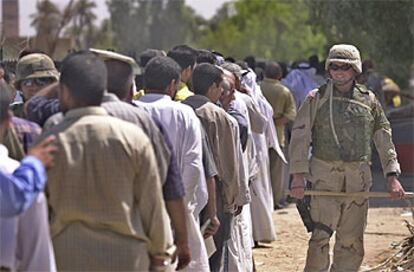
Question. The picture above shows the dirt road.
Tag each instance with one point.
(288, 252)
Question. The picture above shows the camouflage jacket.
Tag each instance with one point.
(358, 119)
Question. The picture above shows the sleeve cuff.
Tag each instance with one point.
(392, 168)
(244, 199)
(38, 168)
(299, 167)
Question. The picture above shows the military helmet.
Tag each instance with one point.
(35, 65)
(345, 53)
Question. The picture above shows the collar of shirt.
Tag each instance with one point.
(4, 153)
(196, 101)
(152, 97)
(348, 94)
(271, 80)
(109, 97)
(79, 112)
(6, 163)
(182, 85)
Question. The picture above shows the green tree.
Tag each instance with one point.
(75, 21)
(382, 30)
(83, 29)
(49, 22)
(104, 36)
(268, 29)
(142, 24)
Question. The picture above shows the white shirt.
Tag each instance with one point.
(184, 130)
(25, 243)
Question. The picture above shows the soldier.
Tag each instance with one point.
(340, 118)
(34, 72)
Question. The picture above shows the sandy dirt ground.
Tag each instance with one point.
(287, 254)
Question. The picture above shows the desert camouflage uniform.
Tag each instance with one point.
(358, 118)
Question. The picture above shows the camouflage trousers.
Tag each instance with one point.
(346, 216)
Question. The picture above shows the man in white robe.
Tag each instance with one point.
(261, 191)
(271, 143)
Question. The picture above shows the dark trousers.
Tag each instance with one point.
(223, 233)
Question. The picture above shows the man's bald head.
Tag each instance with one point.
(273, 70)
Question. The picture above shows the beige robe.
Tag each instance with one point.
(222, 134)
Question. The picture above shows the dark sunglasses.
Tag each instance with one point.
(336, 67)
(37, 81)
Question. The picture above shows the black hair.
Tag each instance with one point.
(313, 61)
(230, 59)
(86, 77)
(216, 53)
(251, 61)
(119, 77)
(159, 72)
(283, 65)
(204, 76)
(242, 64)
(147, 55)
(7, 76)
(273, 70)
(4, 102)
(205, 56)
(366, 66)
(184, 47)
(184, 55)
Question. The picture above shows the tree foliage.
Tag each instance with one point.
(142, 24)
(75, 21)
(269, 29)
(382, 30)
(83, 29)
(49, 22)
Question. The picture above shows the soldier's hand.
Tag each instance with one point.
(44, 151)
(311, 95)
(395, 188)
(297, 188)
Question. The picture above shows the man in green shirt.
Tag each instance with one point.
(284, 111)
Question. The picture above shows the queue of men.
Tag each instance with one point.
(178, 167)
